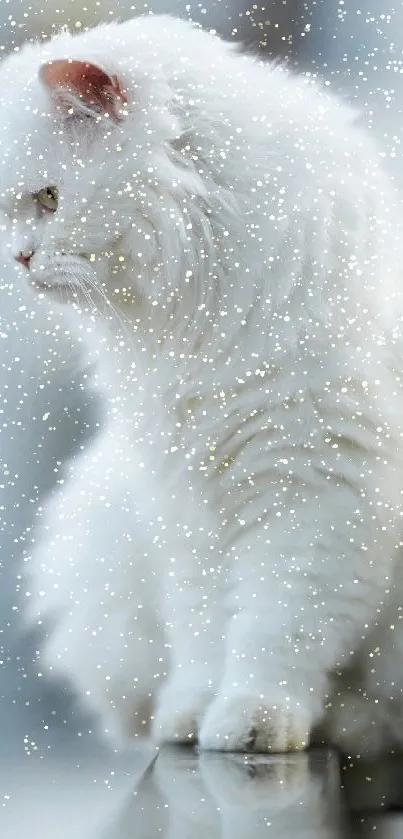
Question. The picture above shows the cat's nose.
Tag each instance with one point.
(25, 258)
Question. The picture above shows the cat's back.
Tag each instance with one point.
(258, 113)
(292, 158)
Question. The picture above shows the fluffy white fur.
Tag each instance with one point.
(225, 556)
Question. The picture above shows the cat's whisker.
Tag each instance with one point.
(121, 318)
(90, 290)
(85, 292)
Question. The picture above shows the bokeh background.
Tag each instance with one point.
(45, 412)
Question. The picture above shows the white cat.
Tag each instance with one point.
(218, 554)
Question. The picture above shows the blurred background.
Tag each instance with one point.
(356, 47)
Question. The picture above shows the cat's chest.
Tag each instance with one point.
(200, 426)
(192, 435)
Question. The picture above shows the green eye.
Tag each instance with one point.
(48, 198)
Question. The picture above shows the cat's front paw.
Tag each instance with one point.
(179, 711)
(242, 722)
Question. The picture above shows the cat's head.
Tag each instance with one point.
(89, 174)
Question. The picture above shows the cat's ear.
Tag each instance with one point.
(86, 83)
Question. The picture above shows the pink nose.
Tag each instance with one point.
(25, 260)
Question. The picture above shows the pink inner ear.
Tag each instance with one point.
(88, 82)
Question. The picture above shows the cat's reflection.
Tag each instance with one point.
(234, 797)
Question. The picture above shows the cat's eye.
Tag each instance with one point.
(48, 198)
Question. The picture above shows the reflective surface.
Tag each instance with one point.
(63, 796)
(373, 787)
(186, 796)
(390, 827)
(86, 791)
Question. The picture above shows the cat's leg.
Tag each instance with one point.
(195, 639)
(355, 720)
(381, 664)
(309, 572)
(365, 715)
(357, 723)
(93, 587)
(194, 627)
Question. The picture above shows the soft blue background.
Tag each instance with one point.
(45, 413)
